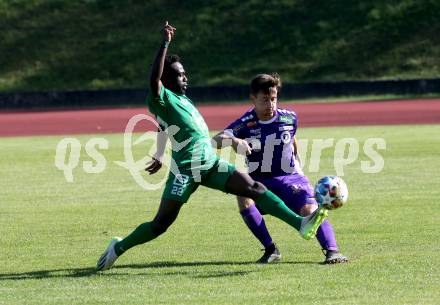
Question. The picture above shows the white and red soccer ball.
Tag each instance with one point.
(331, 192)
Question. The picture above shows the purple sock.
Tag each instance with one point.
(326, 236)
(256, 224)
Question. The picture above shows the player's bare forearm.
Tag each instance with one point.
(162, 139)
(295, 146)
(223, 139)
(155, 164)
(157, 70)
(295, 151)
(158, 64)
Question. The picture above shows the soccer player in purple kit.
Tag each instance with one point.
(266, 134)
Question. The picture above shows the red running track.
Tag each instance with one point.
(66, 122)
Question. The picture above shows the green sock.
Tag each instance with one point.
(140, 235)
(274, 206)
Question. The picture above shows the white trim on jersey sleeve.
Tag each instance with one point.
(287, 111)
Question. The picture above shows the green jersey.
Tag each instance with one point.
(185, 127)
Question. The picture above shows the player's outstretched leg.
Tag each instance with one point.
(242, 184)
(255, 222)
(326, 237)
(167, 213)
(271, 254)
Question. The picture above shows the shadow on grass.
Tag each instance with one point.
(194, 273)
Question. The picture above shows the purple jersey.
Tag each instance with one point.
(271, 142)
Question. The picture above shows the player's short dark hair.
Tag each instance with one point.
(168, 72)
(263, 82)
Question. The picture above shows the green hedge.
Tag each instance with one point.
(52, 44)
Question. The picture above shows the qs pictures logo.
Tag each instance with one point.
(68, 153)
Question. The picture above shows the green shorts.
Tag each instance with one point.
(180, 187)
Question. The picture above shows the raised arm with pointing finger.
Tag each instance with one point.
(158, 64)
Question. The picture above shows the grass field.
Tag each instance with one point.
(52, 232)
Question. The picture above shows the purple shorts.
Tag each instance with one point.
(295, 190)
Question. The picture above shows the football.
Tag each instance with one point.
(331, 192)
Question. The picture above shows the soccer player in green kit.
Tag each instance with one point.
(194, 161)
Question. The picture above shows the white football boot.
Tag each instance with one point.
(109, 256)
(311, 223)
